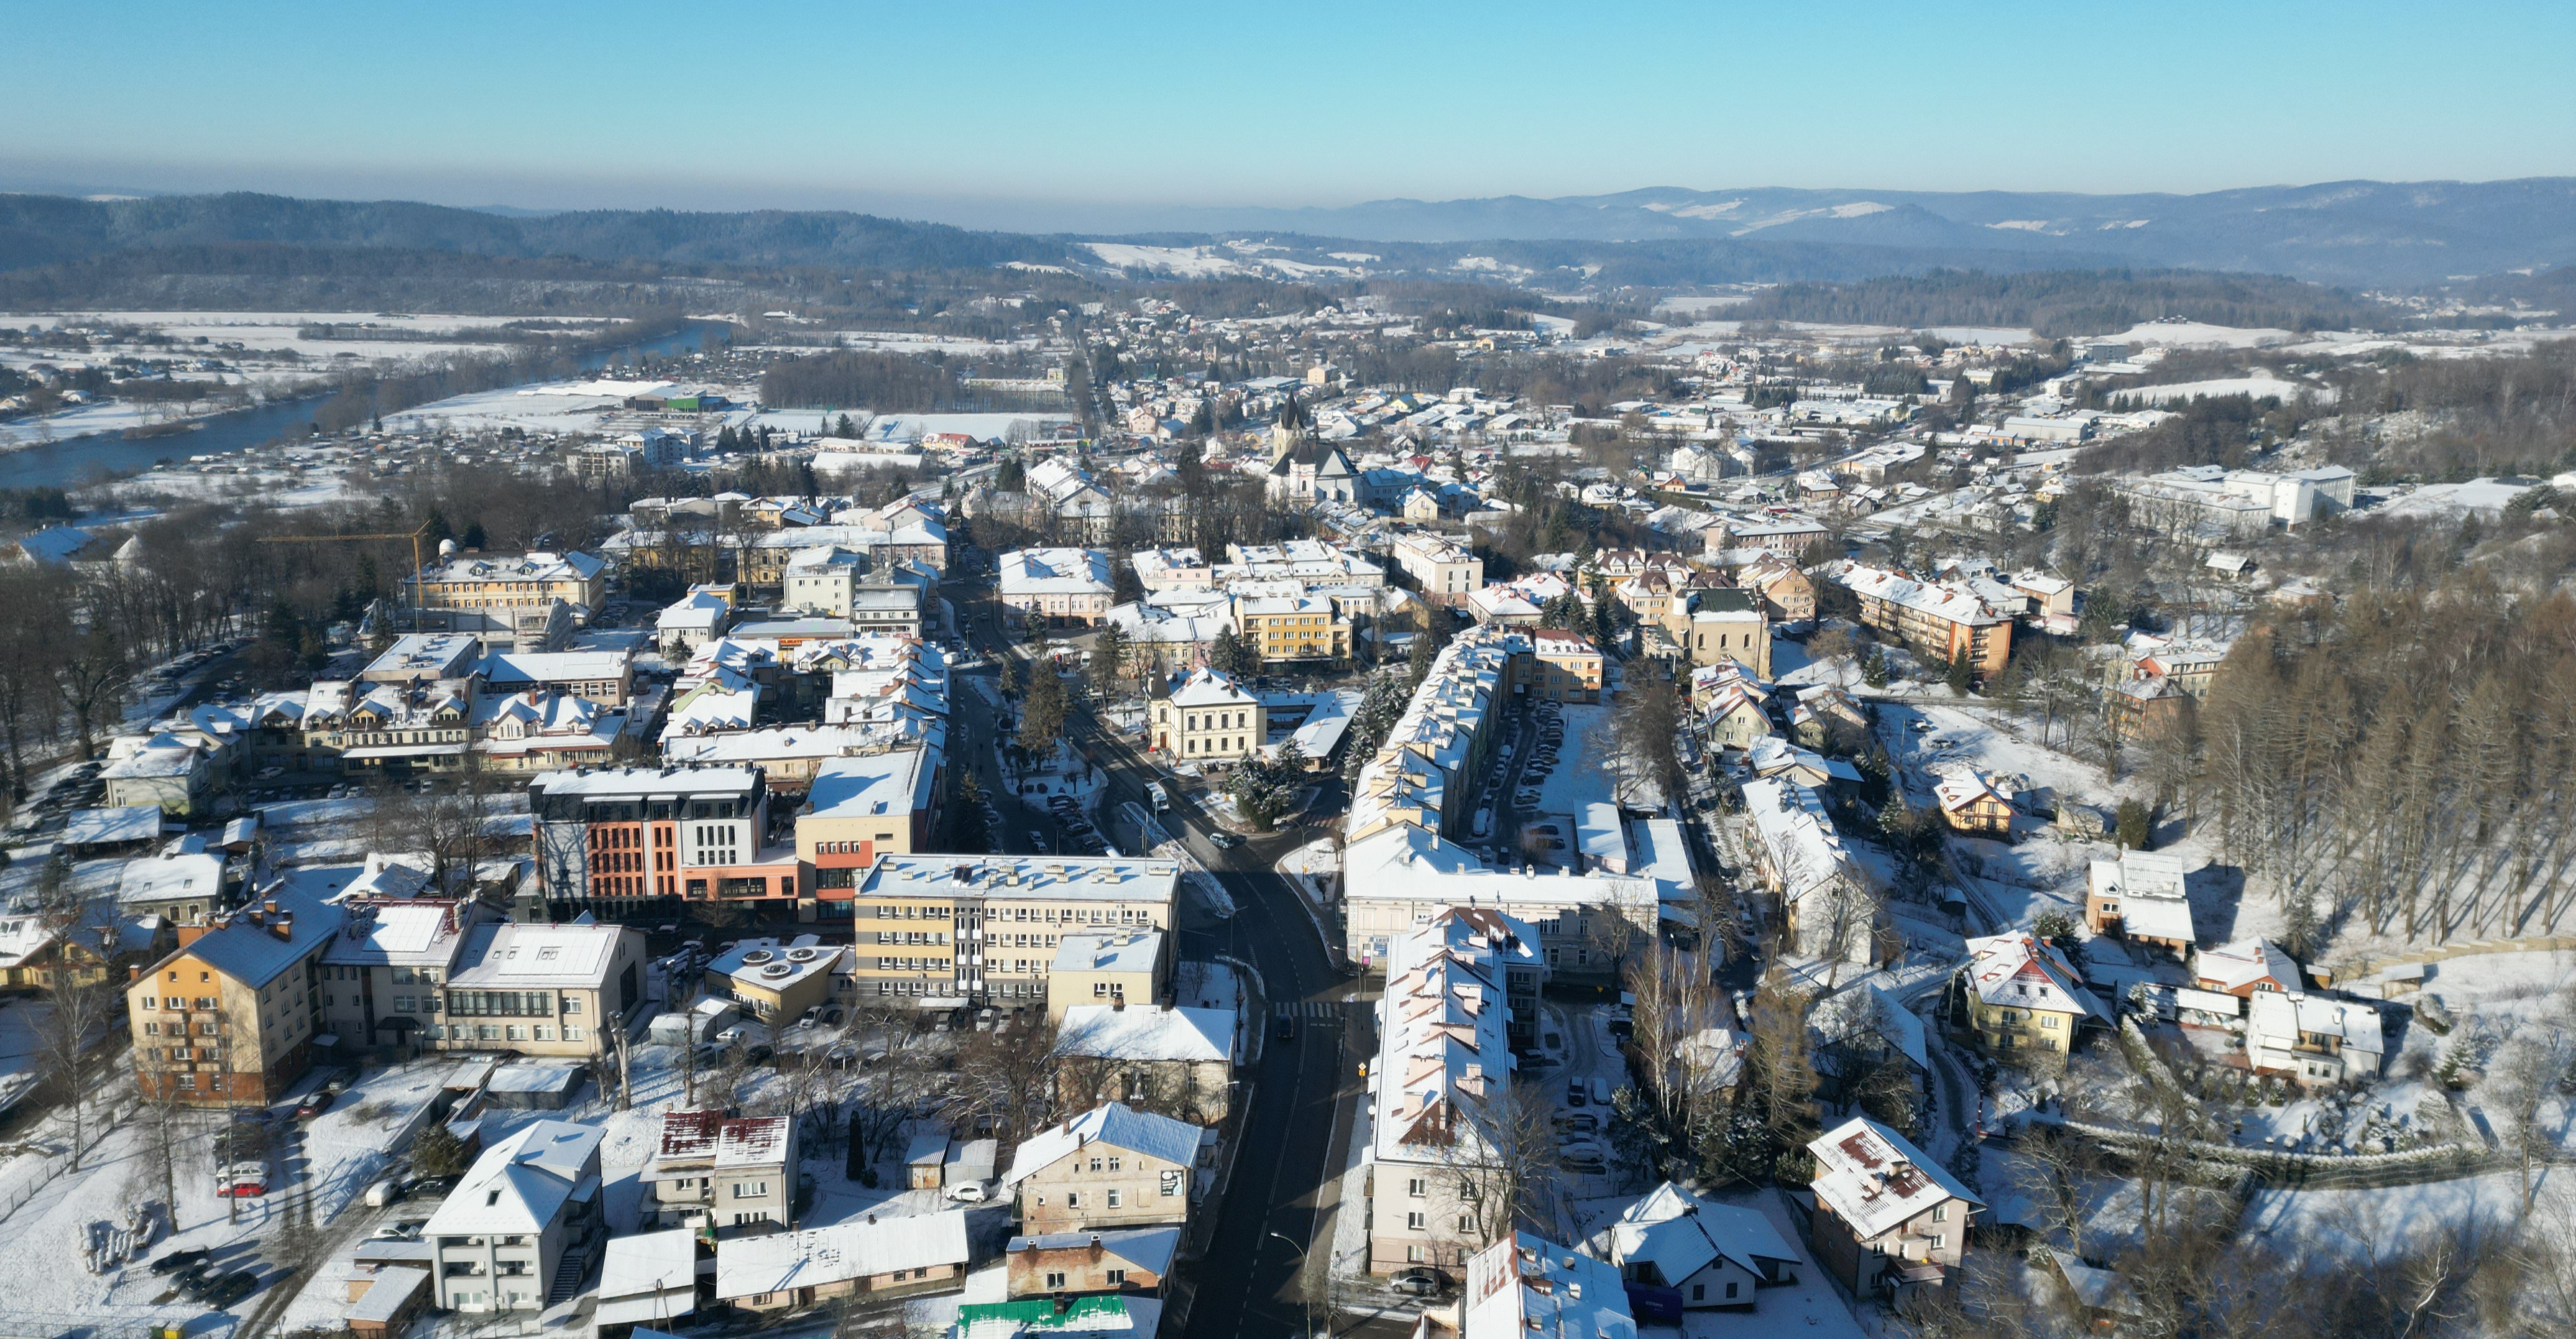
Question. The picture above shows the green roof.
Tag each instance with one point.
(1040, 1313)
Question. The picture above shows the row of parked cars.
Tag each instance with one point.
(196, 1278)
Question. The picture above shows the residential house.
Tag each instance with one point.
(1179, 1061)
(231, 1016)
(1132, 1261)
(2245, 968)
(1723, 623)
(1887, 1218)
(187, 889)
(2025, 999)
(1567, 666)
(522, 1225)
(874, 1257)
(1293, 628)
(2143, 897)
(2317, 1040)
(529, 602)
(1788, 595)
(1111, 1166)
(1714, 1255)
(725, 1174)
(1974, 802)
(1524, 1284)
(176, 776)
(383, 978)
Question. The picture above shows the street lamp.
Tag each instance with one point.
(1305, 1296)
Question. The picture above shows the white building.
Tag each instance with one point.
(2317, 1040)
(1055, 587)
(526, 1213)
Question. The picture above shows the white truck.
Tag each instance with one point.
(1161, 798)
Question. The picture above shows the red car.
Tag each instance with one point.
(313, 1106)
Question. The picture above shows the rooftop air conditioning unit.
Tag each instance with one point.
(756, 957)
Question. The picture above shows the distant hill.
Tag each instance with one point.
(38, 230)
(2347, 232)
(2071, 302)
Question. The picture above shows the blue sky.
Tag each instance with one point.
(983, 111)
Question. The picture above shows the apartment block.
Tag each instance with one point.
(947, 932)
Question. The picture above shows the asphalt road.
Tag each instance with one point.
(1271, 1227)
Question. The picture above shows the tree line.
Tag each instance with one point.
(2072, 302)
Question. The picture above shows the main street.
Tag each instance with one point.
(1273, 1224)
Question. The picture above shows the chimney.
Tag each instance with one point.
(133, 971)
(270, 905)
(283, 926)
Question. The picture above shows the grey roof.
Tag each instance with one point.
(254, 954)
(1115, 1124)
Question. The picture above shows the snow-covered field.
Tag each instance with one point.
(2258, 385)
(2197, 334)
(2486, 497)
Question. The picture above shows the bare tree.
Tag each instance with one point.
(1006, 1077)
(2535, 1065)
(1501, 1161)
(79, 1006)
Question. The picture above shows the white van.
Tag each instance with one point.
(1600, 1092)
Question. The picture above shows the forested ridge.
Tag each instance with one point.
(2071, 302)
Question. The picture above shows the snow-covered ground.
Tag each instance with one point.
(2375, 1224)
(2486, 497)
(1810, 1306)
(2259, 384)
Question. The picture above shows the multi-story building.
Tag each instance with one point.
(1109, 1167)
(1055, 588)
(1524, 1284)
(604, 677)
(945, 932)
(1175, 1060)
(1887, 1218)
(382, 979)
(230, 1017)
(1115, 967)
(776, 981)
(1938, 622)
(1568, 668)
(2025, 999)
(549, 990)
(1308, 562)
(621, 839)
(821, 581)
(1208, 719)
(1788, 595)
(1172, 569)
(1454, 991)
(861, 807)
(1286, 629)
(1418, 798)
(523, 601)
(2317, 1040)
(527, 1213)
(1443, 570)
(724, 1173)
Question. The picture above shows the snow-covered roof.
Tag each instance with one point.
(1874, 1179)
(649, 1276)
(522, 1183)
(703, 1139)
(2023, 971)
(1115, 1124)
(1149, 1248)
(784, 1261)
(2247, 966)
(1147, 1032)
(2151, 891)
(106, 827)
(1209, 688)
(1054, 572)
(1444, 1050)
(1680, 1233)
(506, 956)
(1525, 1284)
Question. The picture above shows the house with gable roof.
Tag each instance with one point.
(521, 1227)
(1887, 1218)
(1111, 1166)
(2025, 999)
(730, 1174)
(1714, 1255)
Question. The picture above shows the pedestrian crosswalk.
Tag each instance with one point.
(1307, 1009)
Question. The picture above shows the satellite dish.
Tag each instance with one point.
(757, 956)
(447, 548)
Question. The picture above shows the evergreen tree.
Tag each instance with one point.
(1963, 673)
(1109, 654)
(1042, 715)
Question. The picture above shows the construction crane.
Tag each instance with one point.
(415, 537)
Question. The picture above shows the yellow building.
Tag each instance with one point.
(1208, 719)
(231, 1016)
(1306, 627)
(2025, 999)
(947, 931)
(1119, 967)
(1568, 667)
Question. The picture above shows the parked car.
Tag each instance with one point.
(1285, 1029)
(968, 1192)
(1224, 840)
(1420, 1281)
(430, 1185)
(1575, 1093)
(178, 1260)
(383, 1193)
(313, 1105)
(231, 1289)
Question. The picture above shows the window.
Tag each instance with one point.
(1937, 1239)
(1699, 1292)
(1413, 1255)
(1414, 1222)
(1417, 1187)
(2049, 1021)
(1466, 1223)
(1730, 1290)
(1054, 1282)
(1073, 1199)
(1117, 1278)
(1940, 1213)
(1113, 1199)
(1113, 1162)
